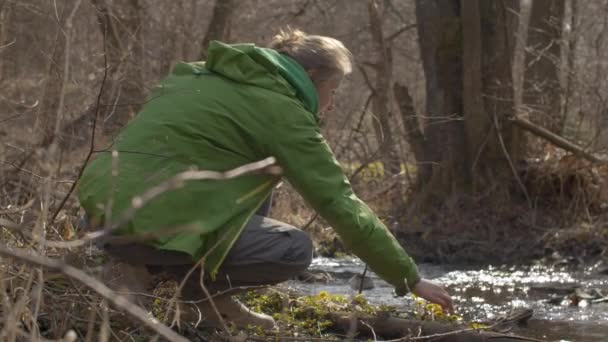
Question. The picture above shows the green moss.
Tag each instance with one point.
(306, 315)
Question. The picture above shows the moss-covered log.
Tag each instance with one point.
(393, 327)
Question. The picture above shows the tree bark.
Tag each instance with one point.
(382, 90)
(413, 133)
(5, 20)
(219, 27)
(504, 143)
(440, 39)
(519, 55)
(467, 49)
(570, 82)
(9, 32)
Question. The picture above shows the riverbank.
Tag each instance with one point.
(567, 304)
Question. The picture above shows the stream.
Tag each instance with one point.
(483, 294)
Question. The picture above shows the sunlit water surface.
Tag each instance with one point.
(482, 294)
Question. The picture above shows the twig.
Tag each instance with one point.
(361, 283)
(17, 209)
(43, 179)
(263, 166)
(211, 301)
(95, 116)
(9, 224)
(120, 239)
(312, 219)
(8, 44)
(368, 82)
(200, 263)
(266, 166)
(370, 327)
(66, 68)
(215, 294)
(506, 153)
(400, 31)
(111, 296)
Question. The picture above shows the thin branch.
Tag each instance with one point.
(367, 80)
(361, 286)
(66, 68)
(397, 33)
(44, 179)
(10, 118)
(266, 166)
(8, 44)
(200, 263)
(120, 239)
(312, 219)
(17, 209)
(95, 285)
(211, 301)
(506, 153)
(92, 143)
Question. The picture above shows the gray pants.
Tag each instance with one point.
(266, 253)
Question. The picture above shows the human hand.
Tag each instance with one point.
(434, 293)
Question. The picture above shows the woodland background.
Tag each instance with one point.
(477, 129)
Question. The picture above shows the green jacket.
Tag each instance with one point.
(244, 104)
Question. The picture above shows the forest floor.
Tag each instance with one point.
(565, 224)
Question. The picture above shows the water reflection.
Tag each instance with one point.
(482, 294)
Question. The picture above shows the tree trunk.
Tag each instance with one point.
(519, 55)
(440, 39)
(467, 48)
(5, 43)
(9, 31)
(219, 27)
(568, 127)
(382, 90)
(413, 133)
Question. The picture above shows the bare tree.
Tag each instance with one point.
(381, 90)
(468, 140)
(219, 27)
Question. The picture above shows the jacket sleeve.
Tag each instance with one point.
(310, 166)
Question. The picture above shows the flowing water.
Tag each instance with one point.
(482, 294)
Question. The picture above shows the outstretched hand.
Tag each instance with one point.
(434, 293)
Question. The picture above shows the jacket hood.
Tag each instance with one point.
(263, 67)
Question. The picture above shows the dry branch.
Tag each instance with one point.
(116, 299)
(413, 330)
(555, 139)
(93, 128)
(266, 166)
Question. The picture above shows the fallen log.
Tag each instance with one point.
(556, 140)
(414, 330)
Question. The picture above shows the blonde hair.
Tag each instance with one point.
(326, 55)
